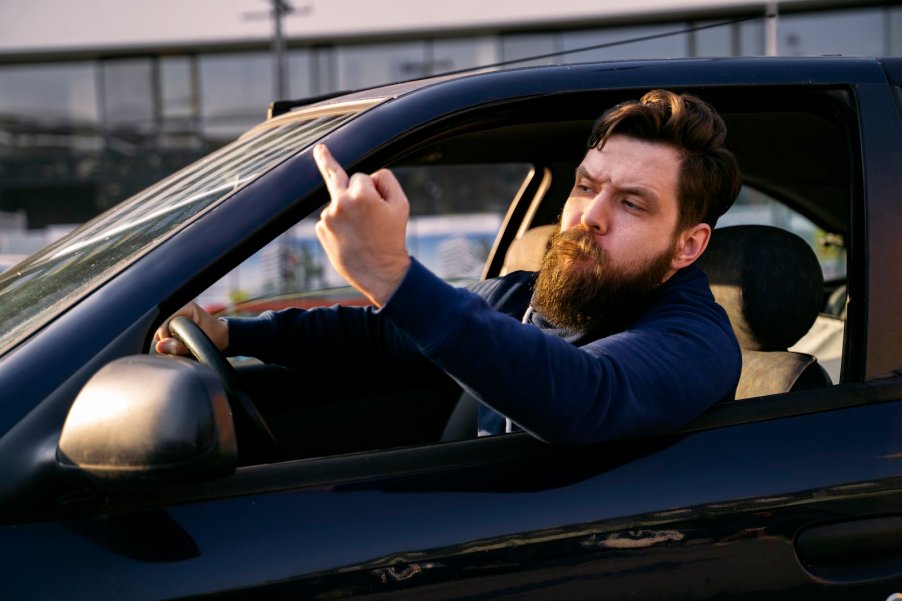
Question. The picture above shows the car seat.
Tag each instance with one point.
(526, 252)
(771, 285)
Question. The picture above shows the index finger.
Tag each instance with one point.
(333, 174)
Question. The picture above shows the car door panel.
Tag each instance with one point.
(693, 516)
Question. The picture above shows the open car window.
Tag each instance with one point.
(456, 214)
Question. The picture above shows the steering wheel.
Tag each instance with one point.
(251, 428)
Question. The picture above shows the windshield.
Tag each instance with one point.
(55, 278)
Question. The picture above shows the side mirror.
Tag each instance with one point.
(150, 418)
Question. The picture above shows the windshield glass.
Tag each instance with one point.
(52, 280)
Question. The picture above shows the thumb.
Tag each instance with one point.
(170, 346)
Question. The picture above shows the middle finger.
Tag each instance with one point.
(333, 174)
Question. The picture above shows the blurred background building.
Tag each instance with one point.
(100, 98)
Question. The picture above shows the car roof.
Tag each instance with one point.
(783, 124)
(669, 71)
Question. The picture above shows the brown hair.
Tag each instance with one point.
(709, 175)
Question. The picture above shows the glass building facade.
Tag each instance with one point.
(77, 136)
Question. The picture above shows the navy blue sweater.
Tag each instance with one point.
(651, 375)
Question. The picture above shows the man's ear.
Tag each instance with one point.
(691, 243)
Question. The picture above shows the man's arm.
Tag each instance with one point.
(655, 377)
(328, 336)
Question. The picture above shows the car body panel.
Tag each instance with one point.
(590, 524)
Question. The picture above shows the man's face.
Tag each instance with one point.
(618, 234)
(626, 196)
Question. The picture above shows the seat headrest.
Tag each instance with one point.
(526, 252)
(768, 280)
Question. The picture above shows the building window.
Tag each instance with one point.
(750, 36)
(235, 91)
(622, 46)
(894, 31)
(363, 66)
(300, 74)
(848, 32)
(462, 53)
(177, 88)
(127, 94)
(523, 46)
(49, 92)
(714, 41)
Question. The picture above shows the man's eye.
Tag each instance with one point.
(629, 204)
(583, 188)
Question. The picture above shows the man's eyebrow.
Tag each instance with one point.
(634, 189)
(582, 172)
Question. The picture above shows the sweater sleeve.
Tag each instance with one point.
(658, 375)
(322, 336)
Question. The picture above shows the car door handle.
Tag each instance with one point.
(852, 551)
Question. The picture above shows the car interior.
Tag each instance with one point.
(795, 146)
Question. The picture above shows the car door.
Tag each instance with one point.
(509, 517)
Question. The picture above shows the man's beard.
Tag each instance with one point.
(578, 288)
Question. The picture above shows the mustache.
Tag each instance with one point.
(577, 244)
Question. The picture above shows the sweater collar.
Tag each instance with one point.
(580, 337)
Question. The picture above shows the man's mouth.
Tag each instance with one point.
(580, 247)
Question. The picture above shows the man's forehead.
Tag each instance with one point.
(638, 160)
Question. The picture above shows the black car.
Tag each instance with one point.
(129, 475)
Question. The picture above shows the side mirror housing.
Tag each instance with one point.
(147, 418)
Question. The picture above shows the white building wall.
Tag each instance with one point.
(29, 26)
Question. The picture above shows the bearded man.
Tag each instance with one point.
(618, 335)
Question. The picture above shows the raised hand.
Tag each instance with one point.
(363, 229)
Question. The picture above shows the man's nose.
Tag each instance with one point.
(596, 214)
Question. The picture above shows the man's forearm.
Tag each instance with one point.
(336, 336)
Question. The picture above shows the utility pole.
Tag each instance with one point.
(286, 258)
(280, 9)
